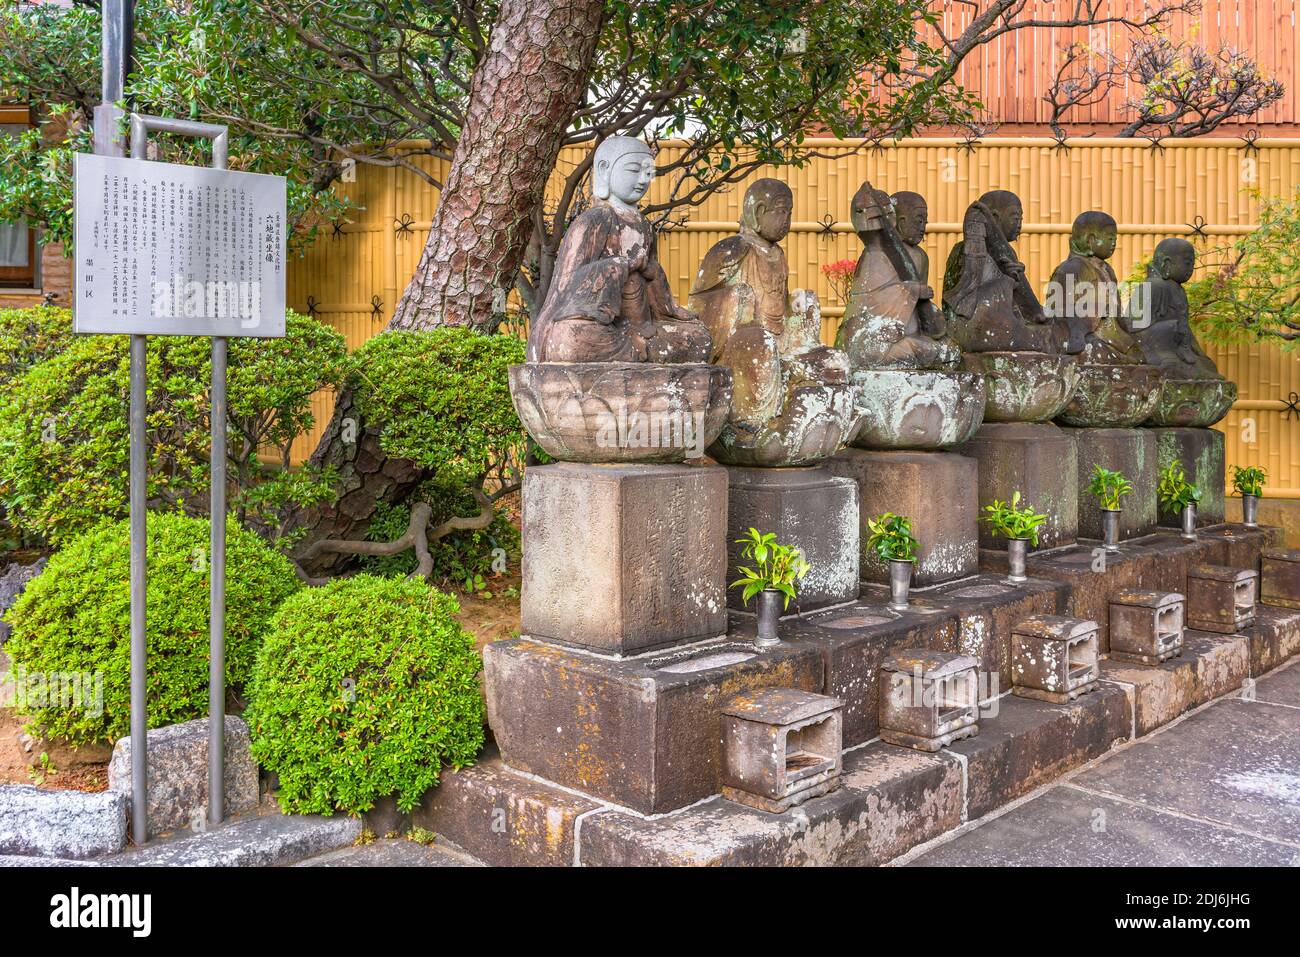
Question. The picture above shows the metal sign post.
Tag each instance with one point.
(140, 129)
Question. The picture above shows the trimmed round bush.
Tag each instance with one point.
(364, 688)
(75, 619)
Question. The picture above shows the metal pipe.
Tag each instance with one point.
(139, 559)
(217, 590)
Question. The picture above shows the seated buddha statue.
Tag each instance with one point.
(988, 301)
(609, 299)
(1084, 288)
(770, 340)
(890, 320)
(1161, 326)
(911, 216)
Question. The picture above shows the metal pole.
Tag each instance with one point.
(140, 127)
(115, 62)
(217, 584)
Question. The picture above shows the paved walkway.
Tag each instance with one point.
(1221, 786)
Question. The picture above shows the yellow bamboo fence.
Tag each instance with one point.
(1203, 189)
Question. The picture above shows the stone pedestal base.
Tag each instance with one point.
(806, 507)
(1131, 451)
(936, 490)
(1039, 461)
(624, 558)
(1201, 452)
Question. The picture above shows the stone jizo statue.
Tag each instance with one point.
(770, 340)
(989, 303)
(891, 321)
(1163, 329)
(1085, 291)
(609, 299)
(912, 215)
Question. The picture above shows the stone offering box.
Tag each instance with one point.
(928, 699)
(1221, 599)
(1146, 626)
(780, 747)
(1054, 658)
(1279, 578)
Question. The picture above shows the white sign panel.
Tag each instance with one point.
(163, 249)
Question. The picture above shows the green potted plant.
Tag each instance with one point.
(1109, 487)
(1019, 525)
(777, 570)
(1179, 495)
(1248, 480)
(892, 540)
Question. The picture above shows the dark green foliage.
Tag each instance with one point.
(75, 618)
(442, 399)
(64, 428)
(365, 688)
(29, 335)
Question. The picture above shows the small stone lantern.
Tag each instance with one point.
(1146, 626)
(1221, 599)
(781, 747)
(928, 699)
(1279, 577)
(1054, 658)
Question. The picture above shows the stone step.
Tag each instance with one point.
(265, 838)
(890, 800)
(1210, 666)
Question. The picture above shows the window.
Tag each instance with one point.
(17, 241)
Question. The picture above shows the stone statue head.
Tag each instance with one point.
(1006, 209)
(912, 214)
(1174, 259)
(622, 170)
(868, 203)
(768, 204)
(1094, 233)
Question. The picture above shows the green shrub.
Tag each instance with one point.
(364, 688)
(64, 429)
(28, 336)
(442, 398)
(75, 618)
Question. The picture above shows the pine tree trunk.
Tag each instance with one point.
(521, 98)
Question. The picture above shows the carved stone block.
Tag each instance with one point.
(1279, 577)
(624, 558)
(1038, 460)
(936, 490)
(1131, 451)
(928, 699)
(1054, 658)
(1221, 599)
(780, 747)
(1202, 455)
(1146, 626)
(806, 507)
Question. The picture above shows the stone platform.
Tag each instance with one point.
(809, 508)
(624, 558)
(1038, 460)
(936, 490)
(1157, 562)
(1132, 452)
(1202, 455)
(616, 760)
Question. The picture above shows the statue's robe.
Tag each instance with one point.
(1168, 342)
(1094, 308)
(989, 304)
(609, 299)
(771, 345)
(890, 321)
